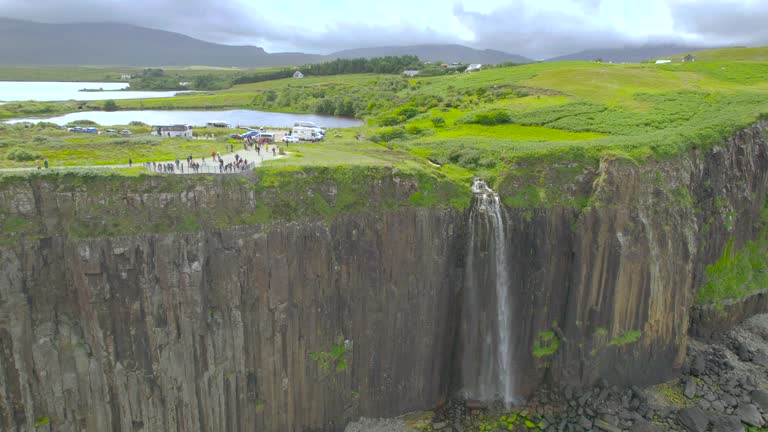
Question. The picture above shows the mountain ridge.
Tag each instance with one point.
(119, 44)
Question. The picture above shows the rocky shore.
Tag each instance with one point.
(723, 388)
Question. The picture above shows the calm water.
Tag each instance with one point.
(198, 118)
(61, 91)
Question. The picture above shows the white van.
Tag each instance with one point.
(306, 133)
(310, 125)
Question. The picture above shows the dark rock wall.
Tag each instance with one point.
(214, 329)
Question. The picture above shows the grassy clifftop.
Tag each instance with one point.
(106, 204)
(497, 123)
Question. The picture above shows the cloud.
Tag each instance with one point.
(529, 29)
(723, 22)
(534, 28)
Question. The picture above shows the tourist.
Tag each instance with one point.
(45, 163)
(273, 151)
(38, 163)
(130, 163)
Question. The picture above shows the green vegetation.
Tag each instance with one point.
(673, 392)
(628, 337)
(546, 344)
(335, 357)
(513, 421)
(529, 130)
(737, 273)
(42, 421)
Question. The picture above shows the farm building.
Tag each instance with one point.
(689, 58)
(298, 74)
(172, 131)
(474, 67)
(410, 73)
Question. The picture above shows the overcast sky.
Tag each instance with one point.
(534, 28)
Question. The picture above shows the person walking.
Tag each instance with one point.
(45, 163)
(130, 162)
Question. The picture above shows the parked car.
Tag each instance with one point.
(91, 130)
(111, 131)
(250, 134)
(290, 139)
(236, 136)
(125, 132)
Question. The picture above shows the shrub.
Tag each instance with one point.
(23, 155)
(82, 123)
(491, 118)
(413, 129)
(137, 123)
(437, 121)
(390, 120)
(46, 125)
(388, 134)
(110, 105)
(40, 139)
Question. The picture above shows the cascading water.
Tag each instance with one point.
(487, 368)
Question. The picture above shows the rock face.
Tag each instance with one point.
(304, 326)
(214, 330)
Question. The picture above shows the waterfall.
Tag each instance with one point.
(487, 368)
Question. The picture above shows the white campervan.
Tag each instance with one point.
(310, 125)
(306, 133)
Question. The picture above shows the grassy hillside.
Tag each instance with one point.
(486, 122)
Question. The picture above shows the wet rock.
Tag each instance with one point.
(748, 414)
(690, 388)
(585, 423)
(644, 426)
(693, 419)
(727, 424)
(760, 398)
(698, 365)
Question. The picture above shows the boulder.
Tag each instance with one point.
(693, 419)
(727, 424)
(749, 414)
(698, 365)
(760, 398)
(690, 388)
(644, 426)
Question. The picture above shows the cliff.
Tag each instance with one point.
(299, 303)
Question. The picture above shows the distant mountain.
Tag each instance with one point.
(24, 43)
(627, 54)
(434, 53)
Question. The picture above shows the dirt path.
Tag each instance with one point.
(210, 165)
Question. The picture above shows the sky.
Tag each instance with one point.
(534, 28)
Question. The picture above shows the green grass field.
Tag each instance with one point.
(482, 122)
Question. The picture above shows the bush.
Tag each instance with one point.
(390, 120)
(110, 105)
(23, 155)
(437, 121)
(388, 134)
(82, 123)
(492, 118)
(413, 129)
(137, 123)
(40, 139)
(46, 125)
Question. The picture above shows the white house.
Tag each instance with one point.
(410, 73)
(172, 131)
(126, 76)
(298, 74)
(663, 61)
(473, 67)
